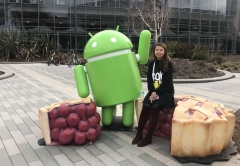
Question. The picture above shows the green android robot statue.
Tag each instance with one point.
(112, 73)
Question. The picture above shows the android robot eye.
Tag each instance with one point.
(113, 40)
(94, 44)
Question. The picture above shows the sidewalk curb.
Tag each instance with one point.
(6, 75)
(227, 75)
(23, 62)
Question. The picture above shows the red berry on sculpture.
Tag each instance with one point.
(63, 110)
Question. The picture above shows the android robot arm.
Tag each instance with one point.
(143, 46)
(81, 81)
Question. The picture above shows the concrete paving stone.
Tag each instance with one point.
(32, 101)
(18, 137)
(25, 130)
(28, 153)
(155, 145)
(166, 153)
(11, 125)
(109, 142)
(5, 116)
(107, 160)
(163, 144)
(54, 150)
(131, 148)
(81, 163)
(5, 134)
(188, 164)
(41, 104)
(132, 157)
(18, 160)
(173, 163)
(88, 157)
(2, 109)
(33, 141)
(43, 99)
(16, 118)
(196, 164)
(29, 105)
(150, 160)
(11, 110)
(26, 108)
(29, 122)
(109, 151)
(146, 149)
(21, 113)
(4, 158)
(35, 97)
(75, 147)
(93, 149)
(20, 102)
(15, 106)
(4, 92)
(6, 97)
(36, 131)
(63, 160)
(11, 147)
(24, 99)
(37, 123)
(1, 144)
(2, 122)
(70, 153)
(33, 116)
(46, 158)
(2, 98)
(126, 163)
(11, 101)
(15, 97)
(36, 163)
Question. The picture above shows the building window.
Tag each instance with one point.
(60, 2)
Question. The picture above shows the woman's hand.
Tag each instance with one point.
(154, 96)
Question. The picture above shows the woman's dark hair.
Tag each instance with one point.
(163, 63)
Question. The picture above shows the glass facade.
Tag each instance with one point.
(193, 21)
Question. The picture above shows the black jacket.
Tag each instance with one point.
(166, 89)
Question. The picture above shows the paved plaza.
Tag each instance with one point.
(37, 85)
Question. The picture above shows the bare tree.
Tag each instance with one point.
(236, 22)
(153, 15)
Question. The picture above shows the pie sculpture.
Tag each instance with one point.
(199, 127)
(70, 122)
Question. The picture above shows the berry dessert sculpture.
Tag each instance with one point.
(164, 124)
(200, 128)
(70, 122)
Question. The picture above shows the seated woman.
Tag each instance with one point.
(160, 93)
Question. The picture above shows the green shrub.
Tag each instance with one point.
(192, 76)
(216, 58)
(184, 51)
(201, 63)
(225, 65)
(212, 68)
(235, 67)
(200, 52)
(229, 69)
(171, 47)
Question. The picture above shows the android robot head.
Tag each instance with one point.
(104, 42)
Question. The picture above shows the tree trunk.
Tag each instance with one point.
(7, 56)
